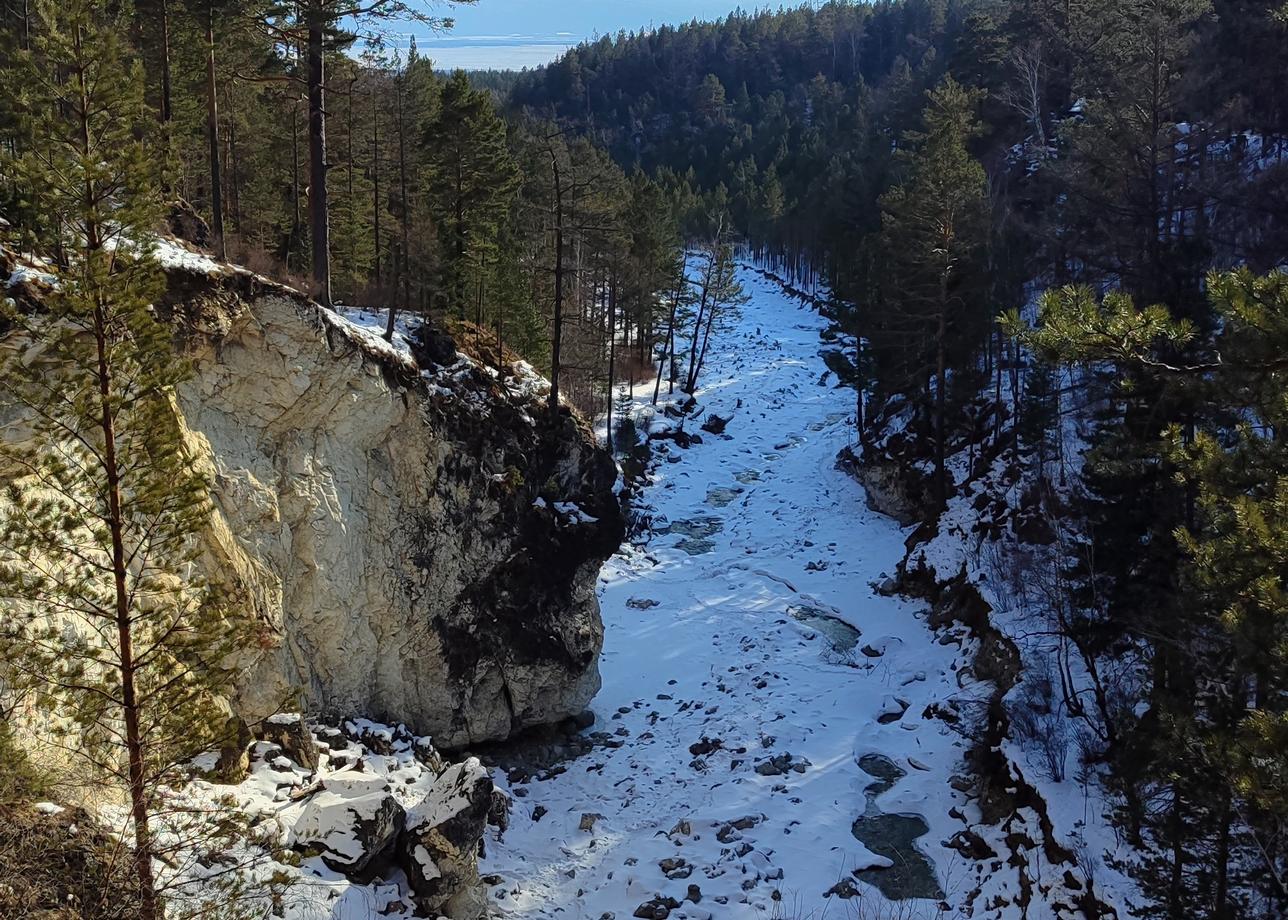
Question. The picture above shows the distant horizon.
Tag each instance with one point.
(514, 34)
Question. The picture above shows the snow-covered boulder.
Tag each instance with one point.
(441, 846)
(353, 823)
(289, 732)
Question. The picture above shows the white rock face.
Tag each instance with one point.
(382, 523)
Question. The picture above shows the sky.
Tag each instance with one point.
(527, 33)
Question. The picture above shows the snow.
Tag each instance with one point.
(282, 804)
(1009, 576)
(25, 275)
(574, 512)
(368, 328)
(722, 665)
(330, 818)
(172, 255)
(446, 797)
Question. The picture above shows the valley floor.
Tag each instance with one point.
(771, 706)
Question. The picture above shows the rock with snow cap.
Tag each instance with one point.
(353, 823)
(441, 846)
(290, 733)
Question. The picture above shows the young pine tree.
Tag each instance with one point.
(107, 626)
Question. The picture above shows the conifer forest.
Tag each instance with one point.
(824, 461)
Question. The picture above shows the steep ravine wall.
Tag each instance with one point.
(418, 547)
(1000, 789)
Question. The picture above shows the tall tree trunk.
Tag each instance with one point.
(706, 340)
(212, 130)
(234, 156)
(859, 386)
(941, 374)
(612, 355)
(667, 346)
(1176, 825)
(350, 201)
(556, 344)
(319, 221)
(375, 194)
(690, 377)
(404, 275)
(1221, 897)
(295, 184)
(167, 109)
(143, 844)
(458, 241)
(404, 198)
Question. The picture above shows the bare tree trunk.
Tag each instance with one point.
(612, 353)
(941, 374)
(706, 340)
(212, 130)
(375, 194)
(235, 186)
(319, 220)
(295, 183)
(1176, 824)
(859, 384)
(403, 196)
(557, 336)
(167, 108)
(351, 201)
(689, 378)
(667, 346)
(405, 276)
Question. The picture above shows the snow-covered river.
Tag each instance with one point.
(760, 738)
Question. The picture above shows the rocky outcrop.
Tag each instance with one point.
(441, 845)
(1004, 796)
(378, 804)
(888, 487)
(418, 546)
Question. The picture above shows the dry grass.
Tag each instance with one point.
(62, 866)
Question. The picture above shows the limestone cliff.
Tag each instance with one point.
(419, 546)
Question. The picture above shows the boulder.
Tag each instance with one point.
(353, 823)
(441, 846)
(288, 731)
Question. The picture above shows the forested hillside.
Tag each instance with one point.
(938, 166)
(267, 278)
(301, 144)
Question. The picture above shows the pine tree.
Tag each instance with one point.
(1124, 202)
(106, 619)
(1208, 755)
(933, 228)
(472, 180)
